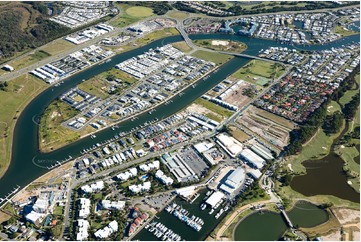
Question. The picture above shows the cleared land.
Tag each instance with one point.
(222, 45)
(225, 113)
(215, 57)
(271, 127)
(20, 91)
(238, 134)
(139, 11)
(259, 72)
(196, 108)
(182, 46)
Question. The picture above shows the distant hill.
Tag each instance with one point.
(25, 25)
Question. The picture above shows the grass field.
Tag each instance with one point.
(316, 148)
(344, 32)
(182, 46)
(95, 86)
(177, 14)
(257, 69)
(52, 134)
(213, 107)
(212, 56)
(238, 134)
(139, 11)
(232, 46)
(125, 18)
(29, 59)
(348, 154)
(19, 92)
(58, 46)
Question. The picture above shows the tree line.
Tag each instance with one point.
(319, 118)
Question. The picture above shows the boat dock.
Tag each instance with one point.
(9, 195)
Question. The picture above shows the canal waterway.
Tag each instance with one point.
(28, 162)
(325, 176)
(267, 226)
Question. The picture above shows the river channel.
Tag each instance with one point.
(271, 226)
(28, 162)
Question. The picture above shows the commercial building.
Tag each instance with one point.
(262, 151)
(252, 158)
(232, 146)
(234, 181)
(215, 198)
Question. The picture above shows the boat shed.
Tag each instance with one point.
(214, 199)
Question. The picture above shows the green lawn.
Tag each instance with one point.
(318, 147)
(129, 14)
(182, 46)
(58, 210)
(19, 92)
(347, 96)
(257, 70)
(29, 59)
(52, 133)
(58, 46)
(348, 154)
(215, 57)
(344, 32)
(214, 107)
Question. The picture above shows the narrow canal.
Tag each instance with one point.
(27, 162)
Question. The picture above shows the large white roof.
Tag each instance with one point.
(215, 198)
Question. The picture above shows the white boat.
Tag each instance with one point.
(212, 211)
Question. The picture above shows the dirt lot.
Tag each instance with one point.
(334, 236)
(237, 98)
(272, 128)
(346, 216)
(195, 108)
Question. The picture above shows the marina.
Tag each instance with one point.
(183, 218)
(160, 231)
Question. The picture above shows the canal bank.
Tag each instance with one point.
(267, 225)
(25, 143)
